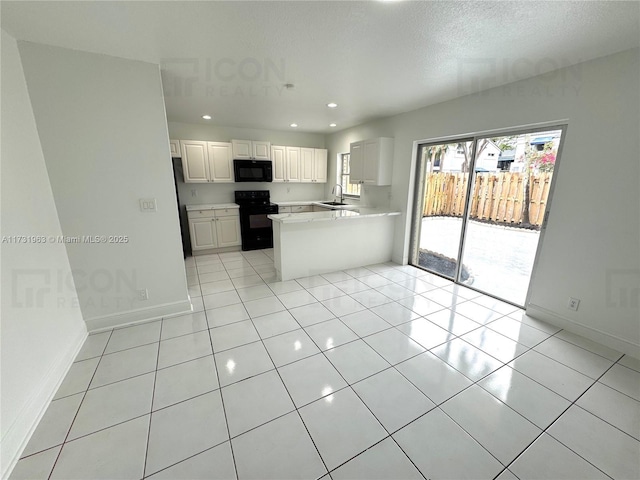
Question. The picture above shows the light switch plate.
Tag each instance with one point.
(148, 205)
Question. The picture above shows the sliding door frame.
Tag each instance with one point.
(419, 193)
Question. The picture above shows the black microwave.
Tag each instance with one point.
(253, 170)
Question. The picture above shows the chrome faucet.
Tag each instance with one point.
(335, 192)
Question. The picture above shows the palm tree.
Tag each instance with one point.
(437, 152)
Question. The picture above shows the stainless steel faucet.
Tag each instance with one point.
(335, 192)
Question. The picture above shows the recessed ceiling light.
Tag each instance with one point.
(332, 124)
(294, 125)
(206, 117)
(332, 105)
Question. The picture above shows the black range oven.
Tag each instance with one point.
(256, 229)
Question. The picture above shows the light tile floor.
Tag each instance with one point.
(383, 372)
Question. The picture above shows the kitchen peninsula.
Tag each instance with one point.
(313, 243)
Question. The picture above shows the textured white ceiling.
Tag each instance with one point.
(231, 59)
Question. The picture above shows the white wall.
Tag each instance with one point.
(198, 193)
(103, 130)
(339, 142)
(591, 250)
(42, 327)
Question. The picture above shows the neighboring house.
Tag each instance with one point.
(454, 158)
(506, 159)
(538, 141)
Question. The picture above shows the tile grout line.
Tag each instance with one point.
(458, 336)
(296, 409)
(574, 402)
(486, 325)
(350, 386)
(224, 412)
(55, 463)
(436, 406)
(555, 335)
(153, 398)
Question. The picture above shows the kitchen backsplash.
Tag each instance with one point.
(223, 192)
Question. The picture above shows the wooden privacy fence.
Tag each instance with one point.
(497, 197)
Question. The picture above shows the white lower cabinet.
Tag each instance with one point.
(216, 228)
(228, 231)
(203, 233)
(303, 208)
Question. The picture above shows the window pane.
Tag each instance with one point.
(352, 189)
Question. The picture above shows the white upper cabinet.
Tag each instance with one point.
(204, 162)
(279, 158)
(174, 148)
(286, 163)
(313, 165)
(220, 162)
(242, 149)
(372, 161)
(302, 164)
(356, 162)
(293, 164)
(195, 161)
(306, 164)
(251, 150)
(261, 150)
(319, 165)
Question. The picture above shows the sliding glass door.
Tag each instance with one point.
(443, 206)
(481, 204)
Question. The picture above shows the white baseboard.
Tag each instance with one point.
(209, 251)
(20, 432)
(612, 341)
(140, 315)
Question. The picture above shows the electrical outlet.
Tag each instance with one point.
(573, 303)
(194, 192)
(143, 294)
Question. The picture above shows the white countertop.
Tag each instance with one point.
(320, 203)
(331, 215)
(314, 202)
(212, 206)
(299, 202)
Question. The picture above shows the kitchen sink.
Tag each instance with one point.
(333, 203)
